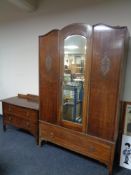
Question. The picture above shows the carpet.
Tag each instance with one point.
(19, 155)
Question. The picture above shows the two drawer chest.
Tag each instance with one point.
(22, 113)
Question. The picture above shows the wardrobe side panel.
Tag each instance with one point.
(107, 59)
(49, 76)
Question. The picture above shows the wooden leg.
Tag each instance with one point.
(110, 167)
(40, 142)
(4, 128)
(37, 140)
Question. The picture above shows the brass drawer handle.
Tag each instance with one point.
(91, 149)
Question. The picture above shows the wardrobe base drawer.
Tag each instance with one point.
(76, 141)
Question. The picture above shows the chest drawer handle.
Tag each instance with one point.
(91, 149)
(9, 108)
(27, 114)
(10, 118)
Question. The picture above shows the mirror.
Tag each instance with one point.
(74, 64)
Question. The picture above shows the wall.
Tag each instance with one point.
(19, 39)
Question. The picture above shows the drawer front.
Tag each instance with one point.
(21, 112)
(21, 123)
(75, 141)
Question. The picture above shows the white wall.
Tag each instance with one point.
(19, 39)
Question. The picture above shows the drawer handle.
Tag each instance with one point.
(9, 108)
(52, 134)
(27, 124)
(27, 114)
(91, 149)
(10, 118)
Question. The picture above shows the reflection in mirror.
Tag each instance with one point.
(74, 63)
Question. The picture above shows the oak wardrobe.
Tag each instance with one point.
(81, 74)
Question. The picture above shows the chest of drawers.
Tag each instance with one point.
(21, 113)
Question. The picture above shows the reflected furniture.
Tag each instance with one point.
(81, 73)
(22, 111)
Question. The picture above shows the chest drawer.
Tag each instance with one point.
(21, 123)
(25, 113)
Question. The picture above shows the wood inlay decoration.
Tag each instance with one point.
(48, 63)
(105, 64)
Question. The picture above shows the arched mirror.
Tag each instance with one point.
(74, 66)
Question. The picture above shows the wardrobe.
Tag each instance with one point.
(81, 80)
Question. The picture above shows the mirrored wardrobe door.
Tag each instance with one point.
(73, 81)
(74, 49)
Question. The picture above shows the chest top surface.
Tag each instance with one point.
(22, 102)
